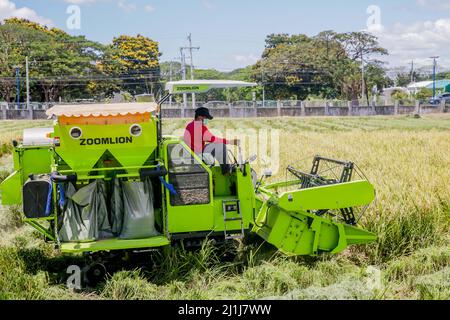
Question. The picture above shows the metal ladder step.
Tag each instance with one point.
(233, 219)
(225, 206)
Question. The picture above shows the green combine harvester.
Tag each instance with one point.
(105, 179)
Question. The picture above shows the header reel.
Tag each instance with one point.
(326, 172)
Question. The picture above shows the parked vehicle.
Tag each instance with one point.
(441, 97)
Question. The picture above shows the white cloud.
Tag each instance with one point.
(126, 6)
(435, 4)
(246, 58)
(80, 1)
(417, 41)
(149, 8)
(8, 9)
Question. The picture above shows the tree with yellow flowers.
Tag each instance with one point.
(136, 60)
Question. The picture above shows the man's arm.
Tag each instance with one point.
(209, 137)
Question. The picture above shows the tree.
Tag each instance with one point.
(376, 77)
(72, 66)
(274, 41)
(241, 74)
(57, 60)
(324, 65)
(399, 95)
(138, 62)
(360, 44)
(287, 67)
(10, 56)
(424, 94)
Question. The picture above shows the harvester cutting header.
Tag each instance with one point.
(104, 178)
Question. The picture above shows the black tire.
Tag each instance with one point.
(94, 274)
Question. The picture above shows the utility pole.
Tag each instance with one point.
(190, 48)
(192, 66)
(434, 74)
(363, 86)
(17, 68)
(263, 88)
(183, 73)
(28, 87)
(170, 79)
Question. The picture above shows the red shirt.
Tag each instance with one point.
(197, 135)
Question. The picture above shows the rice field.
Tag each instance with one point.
(408, 161)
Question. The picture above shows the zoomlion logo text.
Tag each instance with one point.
(187, 88)
(100, 141)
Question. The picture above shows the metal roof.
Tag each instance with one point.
(440, 84)
(98, 110)
(419, 85)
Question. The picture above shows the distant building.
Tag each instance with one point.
(417, 86)
(441, 85)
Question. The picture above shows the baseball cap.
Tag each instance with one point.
(204, 112)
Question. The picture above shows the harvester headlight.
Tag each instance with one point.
(76, 133)
(136, 130)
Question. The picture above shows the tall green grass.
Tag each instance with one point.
(423, 275)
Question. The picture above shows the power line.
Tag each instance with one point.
(71, 78)
(93, 74)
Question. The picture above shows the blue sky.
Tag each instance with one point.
(231, 33)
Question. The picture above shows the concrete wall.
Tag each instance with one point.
(406, 109)
(291, 112)
(22, 114)
(282, 110)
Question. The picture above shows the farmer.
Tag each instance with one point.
(203, 142)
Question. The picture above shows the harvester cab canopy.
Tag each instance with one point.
(201, 86)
